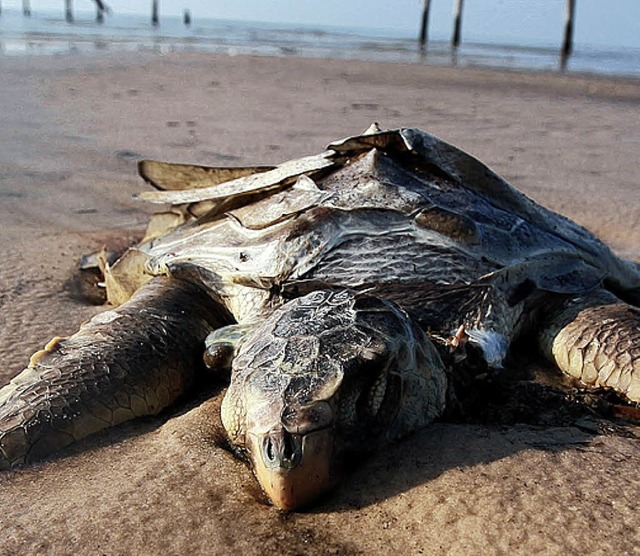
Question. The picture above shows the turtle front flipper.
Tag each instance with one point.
(127, 362)
(596, 339)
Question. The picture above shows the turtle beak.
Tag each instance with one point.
(292, 469)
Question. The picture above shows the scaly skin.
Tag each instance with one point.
(131, 361)
(328, 375)
(596, 339)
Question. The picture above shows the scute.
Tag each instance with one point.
(390, 209)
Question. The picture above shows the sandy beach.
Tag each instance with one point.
(72, 129)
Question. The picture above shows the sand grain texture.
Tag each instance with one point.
(72, 128)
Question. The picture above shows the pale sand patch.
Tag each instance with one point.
(71, 128)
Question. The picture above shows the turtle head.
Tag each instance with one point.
(294, 462)
(327, 376)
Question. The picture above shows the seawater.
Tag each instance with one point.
(45, 33)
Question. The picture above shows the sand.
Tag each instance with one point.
(71, 131)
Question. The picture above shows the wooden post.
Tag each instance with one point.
(101, 9)
(457, 23)
(567, 45)
(68, 11)
(26, 8)
(155, 18)
(186, 18)
(424, 27)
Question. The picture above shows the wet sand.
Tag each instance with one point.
(72, 130)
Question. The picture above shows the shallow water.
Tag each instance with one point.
(45, 33)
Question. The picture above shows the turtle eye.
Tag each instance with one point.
(219, 356)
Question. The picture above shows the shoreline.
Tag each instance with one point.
(630, 82)
(568, 83)
(73, 128)
(128, 32)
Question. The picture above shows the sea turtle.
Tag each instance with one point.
(342, 290)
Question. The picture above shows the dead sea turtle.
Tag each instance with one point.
(342, 290)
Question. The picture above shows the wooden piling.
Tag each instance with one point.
(101, 9)
(424, 27)
(26, 8)
(567, 45)
(457, 23)
(155, 18)
(68, 12)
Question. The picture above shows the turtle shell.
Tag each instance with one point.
(389, 211)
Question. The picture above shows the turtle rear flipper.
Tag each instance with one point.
(127, 362)
(596, 339)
